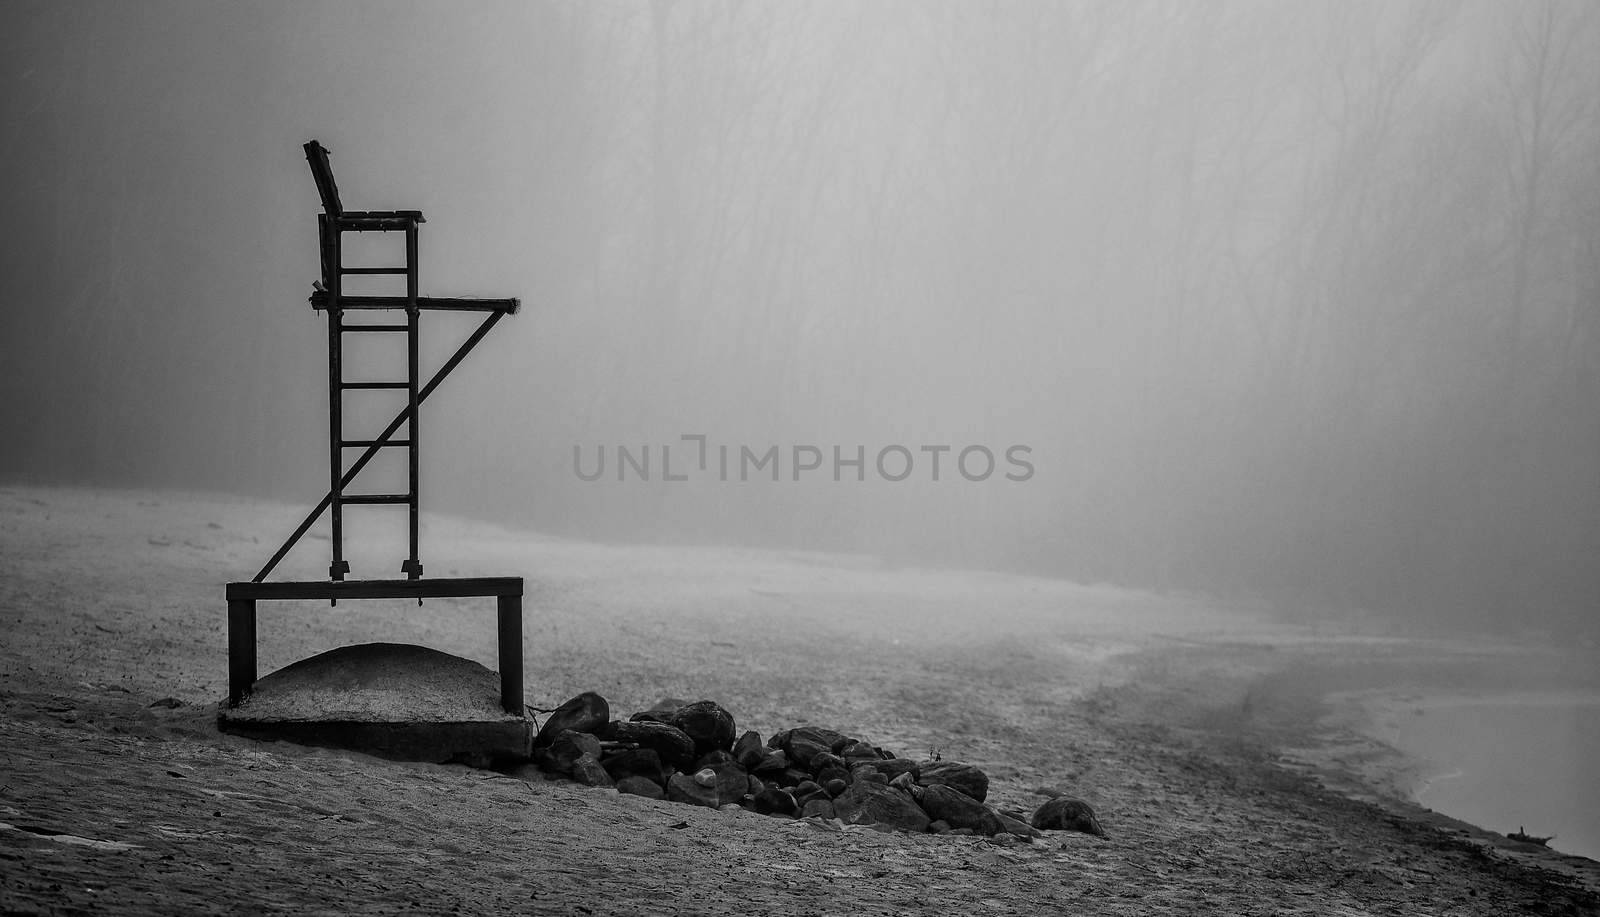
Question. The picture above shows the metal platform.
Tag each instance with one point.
(507, 590)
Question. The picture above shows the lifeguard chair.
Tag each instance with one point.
(329, 298)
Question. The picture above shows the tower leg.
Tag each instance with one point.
(242, 648)
(510, 610)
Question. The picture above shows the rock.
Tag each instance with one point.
(773, 801)
(818, 807)
(808, 789)
(867, 803)
(567, 747)
(946, 804)
(856, 752)
(893, 767)
(641, 786)
(706, 777)
(660, 712)
(707, 724)
(803, 743)
(1064, 813)
(939, 827)
(749, 751)
(907, 783)
(683, 788)
(824, 761)
(867, 772)
(732, 782)
(793, 776)
(713, 758)
(754, 786)
(962, 777)
(588, 771)
(772, 763)
(636, 762)
(588, 712)
(835, 786)
(675, 748)
(829, 774)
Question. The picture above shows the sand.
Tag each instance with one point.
(1190, 725)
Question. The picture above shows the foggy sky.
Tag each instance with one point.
(1294, 301)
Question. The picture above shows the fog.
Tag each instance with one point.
(1290, 302)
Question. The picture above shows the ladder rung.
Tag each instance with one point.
(344, 328)
(374, 270)
(321, 300)
(352, 443)
(376, 498)
(374, 385)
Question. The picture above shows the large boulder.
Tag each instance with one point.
(588, 712)
(749, 751)
(858, 751)
(818, 807)
(773, 762)
(1064, 813)
(675, 748)
(958, 810)
(707, 724)
(774, 801)
(568, 746)
(961, 777)
(804, 743)
(731, 781)
(588, 771)
(868, 803)
(892, 767)
(636, 762)
(684, 788)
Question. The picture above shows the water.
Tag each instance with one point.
(1509, 762)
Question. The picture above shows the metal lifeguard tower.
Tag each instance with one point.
(332, 224)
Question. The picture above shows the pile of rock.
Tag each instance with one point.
(693, 753)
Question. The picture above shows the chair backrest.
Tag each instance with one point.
(317, 156)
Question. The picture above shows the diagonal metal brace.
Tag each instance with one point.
(377, 444)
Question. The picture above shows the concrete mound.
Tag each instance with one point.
(390, 699)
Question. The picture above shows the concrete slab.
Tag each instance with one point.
(395, 700)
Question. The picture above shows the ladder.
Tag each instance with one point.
(332, 224)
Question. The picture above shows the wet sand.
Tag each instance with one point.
(1170, 714)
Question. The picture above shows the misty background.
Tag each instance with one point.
(1290, 301)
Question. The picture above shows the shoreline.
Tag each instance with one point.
(1438, 764)
(1353, 749)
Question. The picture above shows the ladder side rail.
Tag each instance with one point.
(367, 456)
(332, 237)
(413, 565)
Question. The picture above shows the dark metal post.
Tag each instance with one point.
(241, 649)
(332, 260)
(510, 610)
(413, 565)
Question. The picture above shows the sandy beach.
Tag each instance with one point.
(1200, 732)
